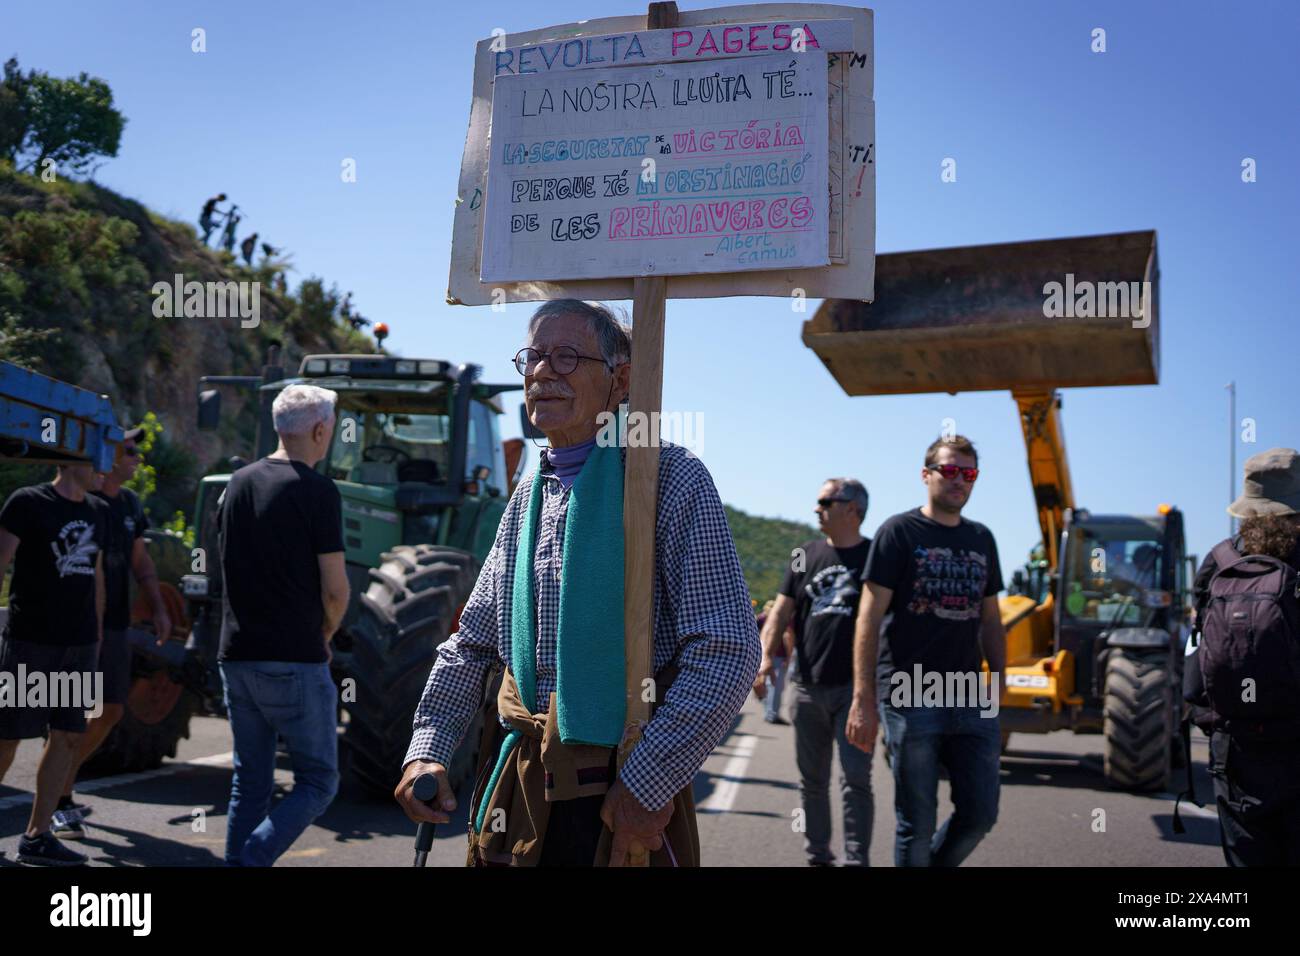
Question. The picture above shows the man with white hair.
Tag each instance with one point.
(548, 608)
(285, 593)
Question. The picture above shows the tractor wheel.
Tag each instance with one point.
(412, 605)
(1139, 721)
(158, 708)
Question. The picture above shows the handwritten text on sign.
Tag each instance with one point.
(681, 44)
(658, 170)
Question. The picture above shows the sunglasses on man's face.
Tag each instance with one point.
(952, 471)
(825, 503)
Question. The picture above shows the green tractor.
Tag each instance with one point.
(424, 478)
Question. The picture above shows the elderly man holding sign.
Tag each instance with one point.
(548, 608)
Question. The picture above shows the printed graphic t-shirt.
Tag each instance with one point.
(276, 516)
(126, 523)
(52, 594)
(825, 597)
(940, 577)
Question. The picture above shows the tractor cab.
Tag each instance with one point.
(417, 455)
(1121, 569)
(1123, 585)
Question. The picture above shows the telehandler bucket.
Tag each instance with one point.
(1049, 314)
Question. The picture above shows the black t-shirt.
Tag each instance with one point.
(940, 577)
(275, 517)
(52, 594)
(826, 596)
(126, 523)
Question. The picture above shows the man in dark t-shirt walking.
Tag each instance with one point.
(820, 593)
(54, 534)
(285, 593)
(937, 575)
(125, 555)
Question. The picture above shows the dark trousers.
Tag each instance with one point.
(968, 745)
(820, 715)
(572, 832)
(1257, 792)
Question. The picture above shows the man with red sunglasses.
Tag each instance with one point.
(937, 574)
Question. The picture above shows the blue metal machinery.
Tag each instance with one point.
(45, 421)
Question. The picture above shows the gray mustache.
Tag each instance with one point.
(537, 393)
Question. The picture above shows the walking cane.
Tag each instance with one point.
(425, 790)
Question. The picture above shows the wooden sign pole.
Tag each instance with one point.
(641, 489)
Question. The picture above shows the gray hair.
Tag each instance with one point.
(614, 337)
(853, 491)
(299, 408)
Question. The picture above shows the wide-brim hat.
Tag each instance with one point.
(1272, 485)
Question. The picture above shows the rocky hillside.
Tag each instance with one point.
(78, 264)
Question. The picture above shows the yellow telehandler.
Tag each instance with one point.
(1095, 621)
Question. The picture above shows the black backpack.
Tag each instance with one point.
(1250, 640)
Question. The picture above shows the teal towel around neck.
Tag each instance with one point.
(591, 697)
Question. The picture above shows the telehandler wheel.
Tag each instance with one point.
(412, 605)
(1139, 720)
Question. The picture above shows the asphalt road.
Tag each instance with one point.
(747, 793)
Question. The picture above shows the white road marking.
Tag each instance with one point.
(728, 782)
(104, 783)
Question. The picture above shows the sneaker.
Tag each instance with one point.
(778, 720)
(46, 850)
(66, 825)
(83, 810)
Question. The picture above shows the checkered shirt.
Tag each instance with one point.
(703, 620)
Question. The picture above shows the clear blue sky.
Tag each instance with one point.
(1050, 140)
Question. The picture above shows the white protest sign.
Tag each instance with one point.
(850, 141)
(716, 166)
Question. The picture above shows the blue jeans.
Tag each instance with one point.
(969, 746)
(820, 716)
(772, 703)
(299, 703)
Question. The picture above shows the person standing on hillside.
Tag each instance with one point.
(233, 219)
(207, 217)
(820, 594)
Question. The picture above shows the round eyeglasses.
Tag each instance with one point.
(563, 359)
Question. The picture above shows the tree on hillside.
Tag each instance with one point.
(70, 121)
(13, 110)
